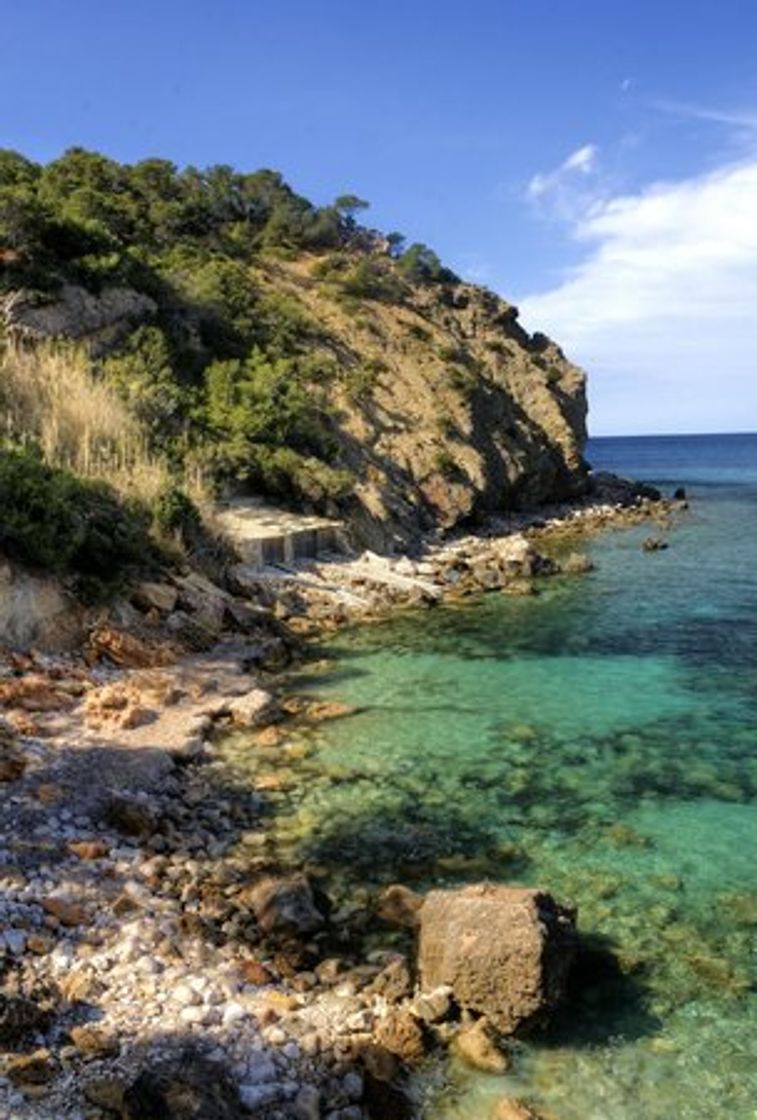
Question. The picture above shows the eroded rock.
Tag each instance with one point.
(504, 951)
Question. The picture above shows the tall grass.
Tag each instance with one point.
(49, 396)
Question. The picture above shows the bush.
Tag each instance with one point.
(301, 477)
(421, 265)
(53, 520)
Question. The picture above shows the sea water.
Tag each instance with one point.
(599, 740)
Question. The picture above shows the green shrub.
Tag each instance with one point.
(462, 380)
(53, 520)
(445, 464)
(415, 330)
(421, 265)
(282, 471)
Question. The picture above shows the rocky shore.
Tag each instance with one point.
(155, 961)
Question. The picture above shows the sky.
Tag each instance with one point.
(593, 161)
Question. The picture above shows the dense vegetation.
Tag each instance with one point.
(224, 375)
(72, 526)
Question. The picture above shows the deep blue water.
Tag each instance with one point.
(599, 740)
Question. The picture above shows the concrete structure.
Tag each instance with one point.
(263, 535)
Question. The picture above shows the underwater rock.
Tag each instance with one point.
(504, 951)
(509, 1108)
(576, 563)
(255, 709)
(654, 544)
(478, 1046)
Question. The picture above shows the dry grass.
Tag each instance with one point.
(49, 395)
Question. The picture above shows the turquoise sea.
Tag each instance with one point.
(599, 740)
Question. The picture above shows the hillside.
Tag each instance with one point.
(276, 347)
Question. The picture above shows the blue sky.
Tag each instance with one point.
(595, 162)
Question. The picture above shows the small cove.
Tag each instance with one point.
(599, 740)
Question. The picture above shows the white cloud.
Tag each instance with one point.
(662, 311)
(581, 162)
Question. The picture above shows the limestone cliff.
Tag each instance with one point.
(463, 412)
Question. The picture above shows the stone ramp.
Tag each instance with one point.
(265, 535)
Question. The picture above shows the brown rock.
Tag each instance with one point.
(66, 912)
(77, 985)
(402, 1035)
(127, 651)
(92, 1042)
(399, 906)
(31, 1069)
(49, 794)
(39, 943)
(254, 709)
(155, 597)
(88, 849)
(509, 1108)
(12, 764)
(576, 563)
(124, 905)
(256, 973)
(322, 710)
(137, 716)
(270, 736)
(504, 951)
(394, 982)
(478, 1046)
(284, 905)
(34, 692)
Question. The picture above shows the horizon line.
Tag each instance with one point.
(669, 435)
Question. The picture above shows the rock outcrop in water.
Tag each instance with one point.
(504, 951)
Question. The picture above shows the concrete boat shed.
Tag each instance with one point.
(265, 535)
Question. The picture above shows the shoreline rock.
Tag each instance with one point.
(504, 952)
(128, 851)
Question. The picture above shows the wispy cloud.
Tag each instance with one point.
(662, 308)
(741, 119)
(580, 162)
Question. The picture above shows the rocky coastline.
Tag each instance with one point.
(154, 960)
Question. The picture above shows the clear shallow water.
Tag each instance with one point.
(600, 740)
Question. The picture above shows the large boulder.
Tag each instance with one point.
(101, 318)
(504, 951)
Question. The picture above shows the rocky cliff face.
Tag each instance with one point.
(454, 410)
(443, 408)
